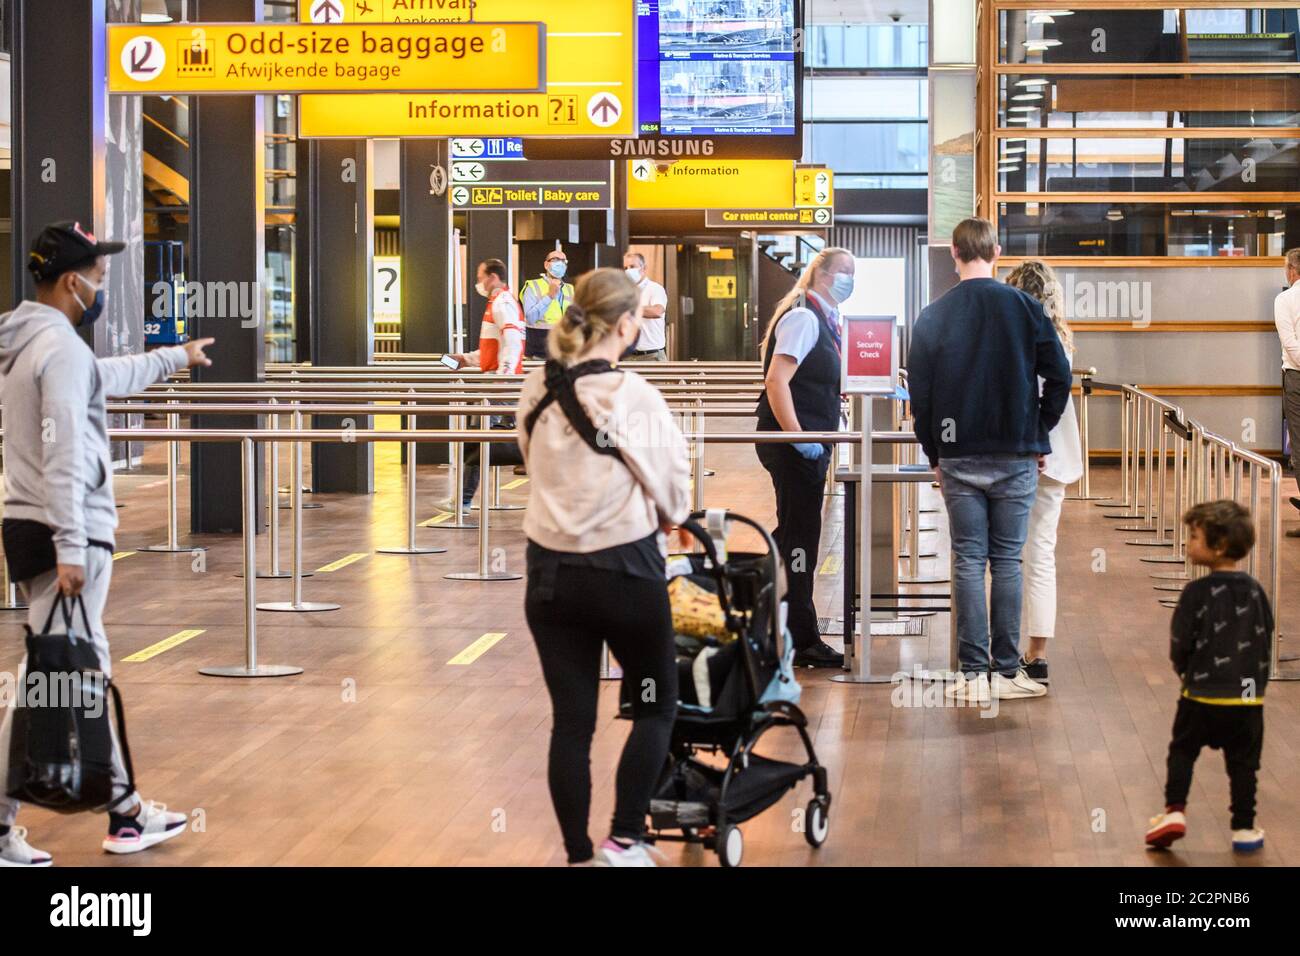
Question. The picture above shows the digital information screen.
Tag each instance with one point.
(716, 67)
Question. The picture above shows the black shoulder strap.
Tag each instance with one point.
(560, 388)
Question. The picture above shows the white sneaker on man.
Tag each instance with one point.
(15, 850)
(973, 690)
(1022, 685)
(151, 826)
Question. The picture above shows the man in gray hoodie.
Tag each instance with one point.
(60, 515)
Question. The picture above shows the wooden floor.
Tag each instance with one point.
(384, 753)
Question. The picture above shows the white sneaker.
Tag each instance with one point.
(973, 691)
(1247, 841)
(448, 506)
(153, 825)
(1022, 685)
(610, 853)
(15, 851)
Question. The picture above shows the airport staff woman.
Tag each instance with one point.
(600, 504)
(801, 374)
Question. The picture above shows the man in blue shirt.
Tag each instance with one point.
(974, 366)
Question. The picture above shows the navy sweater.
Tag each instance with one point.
(973, 368)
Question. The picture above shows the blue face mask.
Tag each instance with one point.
(557, 269)
(92, 312)
(842, 287)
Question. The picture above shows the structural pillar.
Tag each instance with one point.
(491, 234)
(227, 255)
(342, 249)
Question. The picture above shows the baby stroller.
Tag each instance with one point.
(750, 690)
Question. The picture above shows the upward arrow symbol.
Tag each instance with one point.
(604, 107)
(327, 9)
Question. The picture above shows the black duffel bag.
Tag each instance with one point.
(61, 751)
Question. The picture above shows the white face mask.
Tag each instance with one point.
(481, 289)
(634, 274)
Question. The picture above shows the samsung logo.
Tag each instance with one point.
(661, 147)
(101, 910)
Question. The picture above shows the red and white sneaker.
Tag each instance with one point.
(15, 851)
(153, 825)
(1165, 829)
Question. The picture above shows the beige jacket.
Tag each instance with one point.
(580, 501)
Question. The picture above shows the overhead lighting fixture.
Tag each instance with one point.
(1040, 45)
(1033, 81)
(154, 11)
(1041, 18)
(1014, 151)
(1114, 215)
(1027, 97)
(1023, 109)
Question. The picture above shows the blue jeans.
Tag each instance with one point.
(988, 498)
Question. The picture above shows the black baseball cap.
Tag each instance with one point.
(65, 246)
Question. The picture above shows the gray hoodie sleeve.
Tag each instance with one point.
(66, 386)
(125, 375)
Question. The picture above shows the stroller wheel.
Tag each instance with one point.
(730, 845)
(816, 824)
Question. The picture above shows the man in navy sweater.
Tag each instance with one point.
(974, 368)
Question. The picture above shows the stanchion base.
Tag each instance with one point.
(503, 508)
(907, 614)
(305, 606)
(490, 576)
(1164, 603)
(278, 576)
(14, 607)
(168, 549)
(847, 678)
(941, 676)
(1149, 543)
(1121, 515)
(1163, 559)
(1170, 576)
(261, 670)
(410, 551)
(1117, 504)
(929, 511)
(1149, 528)
(306, 506)
(923, 554)
(1167, 587)
(1088, 498)
(924, 580)
(452, 526)
(709, 472)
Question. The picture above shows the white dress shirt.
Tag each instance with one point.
(1286, 313)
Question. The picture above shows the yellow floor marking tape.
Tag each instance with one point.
(831, 565)
(342, 563)
(476, 650)
(437, 519)
(511, 486)
(119, 555)
(174, 641)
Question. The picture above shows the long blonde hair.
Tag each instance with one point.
(1039, 280)
(821, 262)
(600, 299)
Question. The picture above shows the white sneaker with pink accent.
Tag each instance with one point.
(151, 826)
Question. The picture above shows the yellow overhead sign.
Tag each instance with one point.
(814, 186)
(296, 57)
(590, 66)
(710, 183)
(386, 11)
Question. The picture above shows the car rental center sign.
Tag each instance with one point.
(179, 59)
(869, 355)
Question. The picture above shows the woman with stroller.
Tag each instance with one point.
(1063, 467)
(610, 477)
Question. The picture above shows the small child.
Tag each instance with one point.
(1221, 634)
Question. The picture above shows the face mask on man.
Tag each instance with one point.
(481, 289)
(842, 287)
(557, 269)
(90, 313)
(634, 274)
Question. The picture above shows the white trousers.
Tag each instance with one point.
(41, 593)
(1040, 558)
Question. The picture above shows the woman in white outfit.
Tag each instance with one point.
(1063, 467)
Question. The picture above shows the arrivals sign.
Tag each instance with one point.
(531, 184)
(247, 58)
(589, 88)
(869, 355)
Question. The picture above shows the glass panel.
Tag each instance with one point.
(953, 35)
(868, 45)
(1257, 164)
(1128, 229)
(866, 147)
(864, 97)
(1244, 35)
(952, 151)
(1147, 102)
(888, 181)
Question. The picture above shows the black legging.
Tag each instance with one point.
(590, 606)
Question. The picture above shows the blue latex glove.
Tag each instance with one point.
(810, 450)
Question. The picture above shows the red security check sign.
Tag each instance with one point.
(869, 355)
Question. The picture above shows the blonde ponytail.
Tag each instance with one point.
(821, 262)
(600, 299)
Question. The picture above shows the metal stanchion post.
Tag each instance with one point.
(273, 502)
(12, 597)
(1176, 525)
(250, 667)
(295, 492)
(484, 573)
(697, 463)
(1085, 482)
(1125, 444)
(1155, 520)
(857, 647)
(456, 454)
(173, 449)
(412, 422)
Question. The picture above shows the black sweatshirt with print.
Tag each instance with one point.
(1221, 633)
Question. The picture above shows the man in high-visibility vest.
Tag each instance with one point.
(500, 352)
(545, 299)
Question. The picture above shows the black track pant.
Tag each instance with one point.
(587, 607)
(800, 486)
(1238, 732)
